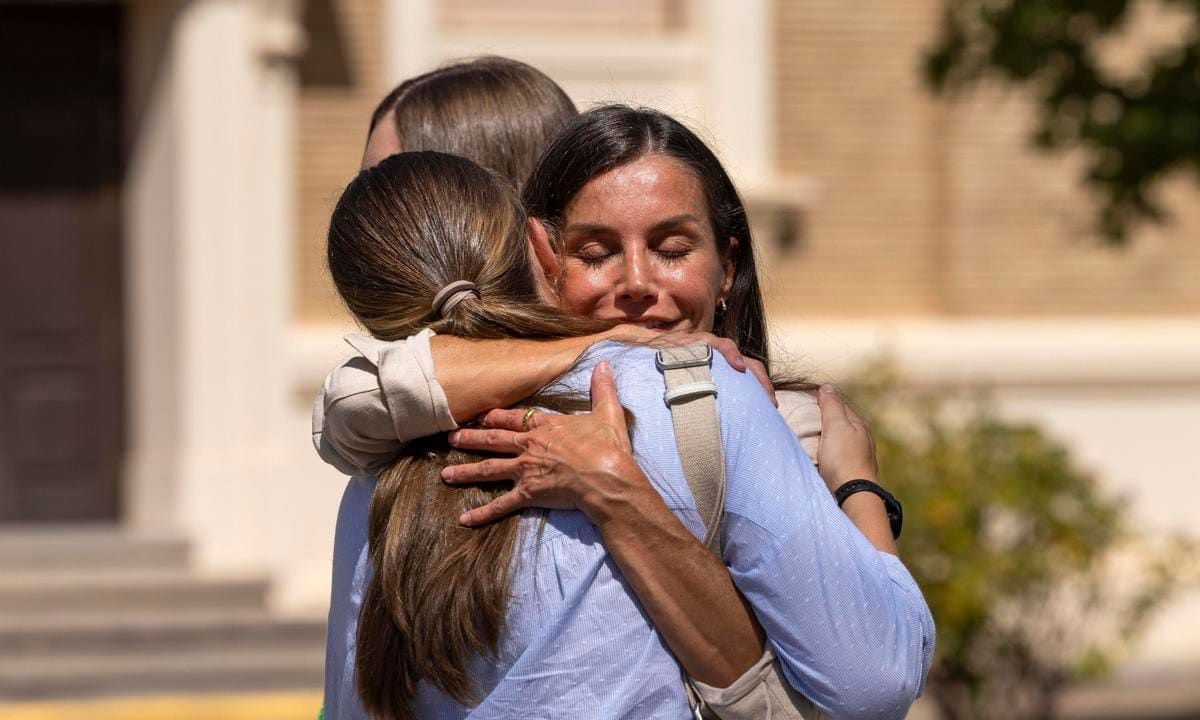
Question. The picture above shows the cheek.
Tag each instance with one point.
(697, 285)
(695, 291)
(582, 291)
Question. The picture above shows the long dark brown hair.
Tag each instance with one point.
(402, 231)
(501, 113)
(612, 136)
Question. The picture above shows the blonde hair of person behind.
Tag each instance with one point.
(499, 112)
(402, 231)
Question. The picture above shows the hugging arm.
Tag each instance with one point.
(368, 409)
(849, 625)
(584, 462)
(390, 393)
(847, 622)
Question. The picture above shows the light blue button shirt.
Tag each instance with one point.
(848, 623)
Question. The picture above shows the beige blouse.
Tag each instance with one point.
(375, 402)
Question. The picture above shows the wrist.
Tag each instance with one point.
(863, 501)
(843, 478)
(616, 490)
(542, 362)
(560, 355)
(861, 486)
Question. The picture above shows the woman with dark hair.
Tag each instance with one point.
(527, 617)
(655, 156)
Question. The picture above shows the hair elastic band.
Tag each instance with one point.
(452, 295)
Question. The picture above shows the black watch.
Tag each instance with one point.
(894, 510)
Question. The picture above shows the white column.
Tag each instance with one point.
(739, 105)
(210, 224)
(152, 301)
(409, 38)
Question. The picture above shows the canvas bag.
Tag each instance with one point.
(762, 692)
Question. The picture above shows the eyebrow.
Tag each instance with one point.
(673, 221)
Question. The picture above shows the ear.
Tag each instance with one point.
(383, 142)
(730, 266)
(543, 253)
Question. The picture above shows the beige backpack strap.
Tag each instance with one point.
(692, 397)
(762, 692)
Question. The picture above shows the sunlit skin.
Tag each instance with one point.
(383, 142)
(638, 248)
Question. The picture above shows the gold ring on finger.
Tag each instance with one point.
(527, 418)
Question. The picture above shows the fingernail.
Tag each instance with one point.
(604, 367)
(465, 518)
(828, 389)
(447, 473)
(452, 437)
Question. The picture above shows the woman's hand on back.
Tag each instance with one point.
(847, 451)
(562, 462)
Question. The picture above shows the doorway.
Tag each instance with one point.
(61, 391)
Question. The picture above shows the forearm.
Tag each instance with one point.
(478, 375)
(684, 588)
(867, 512)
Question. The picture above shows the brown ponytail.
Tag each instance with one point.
(402, 231)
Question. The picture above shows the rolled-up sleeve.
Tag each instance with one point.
(374, 403)
(803, 417)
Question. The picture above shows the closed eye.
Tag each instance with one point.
(593, 260)
(593, 253)
(675, 246)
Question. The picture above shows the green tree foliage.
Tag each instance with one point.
(1036, 575)
(1134, 130)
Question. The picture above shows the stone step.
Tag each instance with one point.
(64, 548)
(97, 674)
(26, 595)
(124, 633)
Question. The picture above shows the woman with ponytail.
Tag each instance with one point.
(433, 241)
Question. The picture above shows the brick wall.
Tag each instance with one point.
(851, 117)
(920, 207)
(1020, 239)
(932, 208)
(341, 81)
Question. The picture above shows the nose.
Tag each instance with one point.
(637, 285)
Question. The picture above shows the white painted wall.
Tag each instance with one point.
(716, 75)
(209, 215)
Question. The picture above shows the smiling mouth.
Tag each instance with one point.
(660, 325)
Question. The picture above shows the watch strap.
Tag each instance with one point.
(895, 511)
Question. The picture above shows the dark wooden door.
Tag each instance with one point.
(61, 420)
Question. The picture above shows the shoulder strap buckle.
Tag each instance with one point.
(686, 356)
